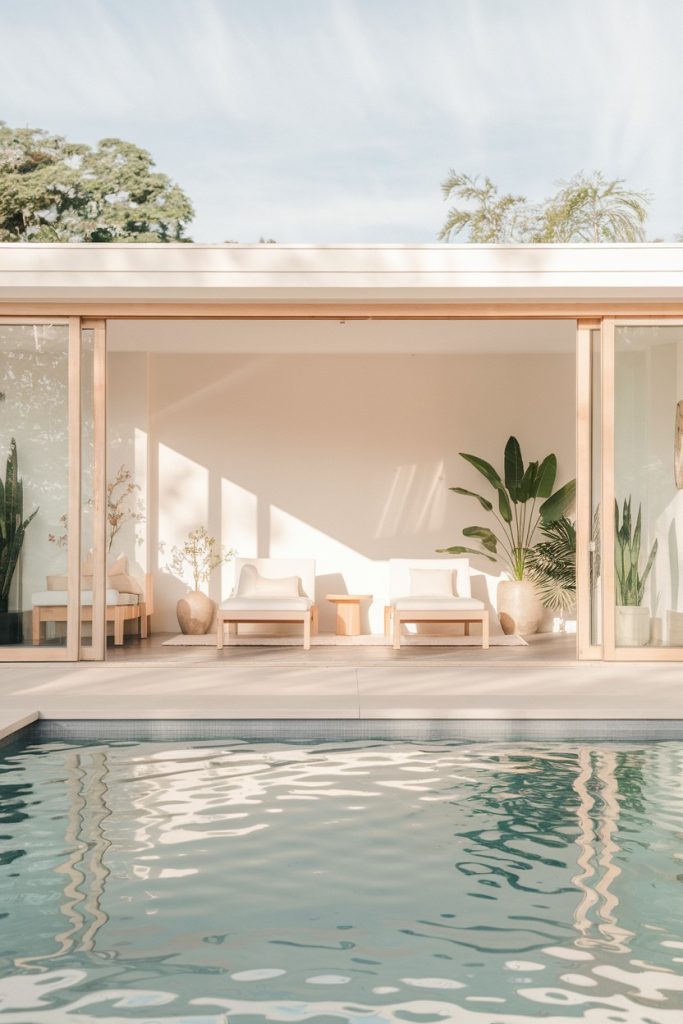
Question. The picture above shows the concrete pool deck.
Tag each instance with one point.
(329, 683)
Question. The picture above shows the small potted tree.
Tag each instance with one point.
(12, 530)
(632, 624)
(199, 556)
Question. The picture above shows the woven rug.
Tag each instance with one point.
(330, 640)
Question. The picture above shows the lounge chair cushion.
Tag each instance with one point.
(257, 605)
(252, 584)
(436, 604)
(430, 582)
(59, 598)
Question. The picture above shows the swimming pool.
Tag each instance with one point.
(361, 881)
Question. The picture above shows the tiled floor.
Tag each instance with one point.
(539, 682)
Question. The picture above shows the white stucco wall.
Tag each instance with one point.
(346, 458)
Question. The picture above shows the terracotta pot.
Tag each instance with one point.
(195, 613)
(519, 608)
(632, 626)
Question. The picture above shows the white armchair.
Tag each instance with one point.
(432, 590)
(270, 590)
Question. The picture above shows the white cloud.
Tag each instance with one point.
(296, 117)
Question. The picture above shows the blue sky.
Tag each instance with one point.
(336, 120)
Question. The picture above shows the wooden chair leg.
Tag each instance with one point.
(314, 620)
(397, 630)
(467, 628)
(307, 631)
(143, 621)
(485, 631)
(220, 632)
(36, 626)
(118, 626)
(387, 619)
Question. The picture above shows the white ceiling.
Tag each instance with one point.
(333, 336)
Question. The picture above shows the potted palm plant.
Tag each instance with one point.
(552, 566)
(632, 623)
(12, 530)
(200, 555)
(524, 497)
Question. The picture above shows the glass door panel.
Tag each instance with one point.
(93, 496)
(648, 487)
(594, 546)
(36, 462)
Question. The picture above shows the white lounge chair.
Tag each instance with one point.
(270, 590)
(432, 590)
(121, 607)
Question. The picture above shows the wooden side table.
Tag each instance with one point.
(348, 612)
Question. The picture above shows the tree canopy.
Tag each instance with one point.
(587, 208)
(52, 190)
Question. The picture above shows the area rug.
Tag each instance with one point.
(330, 640)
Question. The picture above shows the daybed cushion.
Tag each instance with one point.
(431, 582)
(253, 584)
(59, 598)
(121, 582)
(262, 605)
(436, 604)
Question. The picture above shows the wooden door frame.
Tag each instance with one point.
(70, 651)
(611, 651)
(588, 317)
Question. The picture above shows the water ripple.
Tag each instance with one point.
(445, 881)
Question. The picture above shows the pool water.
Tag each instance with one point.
(368, 882)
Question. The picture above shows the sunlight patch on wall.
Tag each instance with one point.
(183, 498)
(415, 502)
(339, 569)
(239, 526)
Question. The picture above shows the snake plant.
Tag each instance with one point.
(12, 524)
(630, 583)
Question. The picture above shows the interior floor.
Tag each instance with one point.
(542, 648)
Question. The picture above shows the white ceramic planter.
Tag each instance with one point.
(195, 613)
(632, 626)
(519, 608)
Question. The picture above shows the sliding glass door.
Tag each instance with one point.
(51, 489)
(642, 489)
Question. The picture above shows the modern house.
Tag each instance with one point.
(303, 401)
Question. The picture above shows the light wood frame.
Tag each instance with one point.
(394, 618)
(610, 650)
(99, 614)
(226, 620)
(69, 652)
(589, 316)
(586, 649)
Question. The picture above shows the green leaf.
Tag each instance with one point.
(559, 502)
(527, 488)
(483, 535)
(460, 550)
(504, 505)
(514, 467)
(484, 502)
(485, 468)
(545, 481)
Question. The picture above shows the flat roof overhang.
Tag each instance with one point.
(370, 280)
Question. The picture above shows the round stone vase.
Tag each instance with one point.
(195, 613)
(519, 608)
